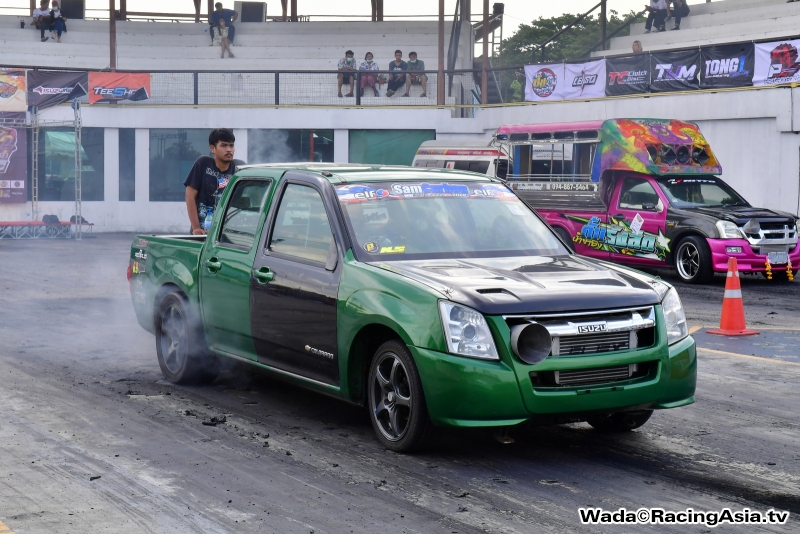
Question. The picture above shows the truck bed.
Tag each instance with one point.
(560, 196)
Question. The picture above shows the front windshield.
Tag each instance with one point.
(700, 192)
(426, 220)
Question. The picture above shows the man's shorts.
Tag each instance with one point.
(417, 79)
(347, 78)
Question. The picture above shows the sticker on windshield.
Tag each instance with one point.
(371, 247)
(351, 193)
(393, 250)
(636, 224)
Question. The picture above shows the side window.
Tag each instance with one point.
(635, 193)
(240, 223)
(301, 226)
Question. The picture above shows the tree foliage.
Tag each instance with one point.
(520, 48)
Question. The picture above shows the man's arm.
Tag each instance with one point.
(234, 17)
(191, 209)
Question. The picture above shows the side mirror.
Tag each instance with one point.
(660, 206)
(333, 257)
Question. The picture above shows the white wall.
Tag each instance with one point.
(754, 133)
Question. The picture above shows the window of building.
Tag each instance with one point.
(56, 160)
(301, 228)
(284, 146)
(387, 147)
(172, 154)
(127, 164)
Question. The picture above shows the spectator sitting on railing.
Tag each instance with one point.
(221, 38)
(58, 23)
(680, 9)
(228, 15)
(41, 18)
(416, 79)
(369, 79)
(347, 68)
(657, 13)
(396, 80)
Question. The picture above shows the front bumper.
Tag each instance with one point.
(747, 260)
(466, 392)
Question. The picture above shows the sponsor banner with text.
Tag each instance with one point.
(628, 75)
(115, 86)
(727, 66)
(776, 63)
(13, 159)
(674, 71)
(585, 80)
(12, 90)
(544, 82)
(50, 88)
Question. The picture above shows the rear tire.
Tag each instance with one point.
(396, 401)
(620, 422)
(693, 260)
(183, 355)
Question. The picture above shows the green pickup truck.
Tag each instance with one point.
(432, 297)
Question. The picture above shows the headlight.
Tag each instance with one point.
(728, 230)
(467, 332)
(674, 316)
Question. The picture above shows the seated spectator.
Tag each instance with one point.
(58, 23)
(41, 18)
(347, 68)
(221, 38)
(415, 64)
(680, 9)
(369, 79)
(657, 14)
(637, 47)
(396, 81)
(228, 15)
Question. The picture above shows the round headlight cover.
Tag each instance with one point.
(674, 317)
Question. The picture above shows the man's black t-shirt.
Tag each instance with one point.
(394, 66)
(209, 182)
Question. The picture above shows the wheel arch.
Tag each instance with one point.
(360, 355)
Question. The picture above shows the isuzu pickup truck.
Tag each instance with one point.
(432, 297)
(645, 192)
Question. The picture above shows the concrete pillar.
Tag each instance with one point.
(341, 146)
(138, 216)
(241, 144)
(111, 177)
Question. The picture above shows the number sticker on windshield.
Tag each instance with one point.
(393, 250)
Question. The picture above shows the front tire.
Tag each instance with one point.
(620, 422)
(693, 260)
(183, 355)
(396, 401)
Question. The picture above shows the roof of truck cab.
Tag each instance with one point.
(341, 173)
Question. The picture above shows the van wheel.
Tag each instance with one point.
(620, 422)
(693, 260)
(564, 235)
(183, 355)
(397, 406)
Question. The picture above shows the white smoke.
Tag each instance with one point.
(269, 146)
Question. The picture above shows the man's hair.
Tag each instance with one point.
(398, 52)
(368, 54)
(43, 2)
(218, 4)
(221, 134)
(412, 54)
(349, 52)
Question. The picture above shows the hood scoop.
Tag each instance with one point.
(497, 294)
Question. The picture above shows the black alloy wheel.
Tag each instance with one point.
(693, 260)
(620, 422)
(397, 406)
(180, 344)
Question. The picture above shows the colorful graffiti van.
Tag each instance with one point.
(647, 193)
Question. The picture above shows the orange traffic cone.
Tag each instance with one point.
(732, 322)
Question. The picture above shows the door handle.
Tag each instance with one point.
(213, 264)
(263, 275)
(619, 217)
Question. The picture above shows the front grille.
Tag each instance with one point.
(593, 377)
(773, 226)
(594, 343)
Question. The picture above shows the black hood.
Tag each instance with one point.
(535, 284)
(741, 214)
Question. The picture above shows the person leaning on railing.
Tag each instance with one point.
(420, 79)
(369, 79)
(347, 68)
(41, 18)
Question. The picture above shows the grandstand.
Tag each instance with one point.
(717, 22)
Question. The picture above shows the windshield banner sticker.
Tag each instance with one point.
(619, 238)
(350, 193)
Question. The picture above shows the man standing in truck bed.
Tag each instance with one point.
(208, 178)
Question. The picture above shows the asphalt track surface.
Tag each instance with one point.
(81, 396)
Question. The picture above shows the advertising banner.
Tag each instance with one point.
(50, 88)
(674, 71)
(12, 90)
(116, 86)
(585, 80)
(544, 82)
(13, 158)
(628, 75)
(776, 63)
(727, 66)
